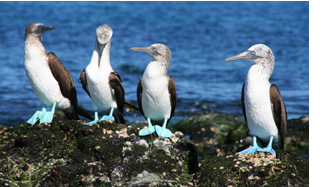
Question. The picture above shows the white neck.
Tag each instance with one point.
(34, 49)
(101, 56)
(155, 69)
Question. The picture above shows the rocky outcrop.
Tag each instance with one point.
(104, 154)
(110, 154)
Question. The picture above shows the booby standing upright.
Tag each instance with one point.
(156, 92)
(49, 78)
(102, 83)
(263, 106)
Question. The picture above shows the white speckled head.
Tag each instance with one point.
(262, 52)
(164, 52)
(258, 53)
(104, 34)
(159, 52)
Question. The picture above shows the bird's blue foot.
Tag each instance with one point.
(48, 117)
(252, 149)
(37, 116)
(269, 146)
(108, 117)
(147, 131)
(162, 131)
(94, 121)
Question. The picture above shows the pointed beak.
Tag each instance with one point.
(247, 55)
(150, 50)
(43, 28)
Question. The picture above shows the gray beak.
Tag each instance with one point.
(247, 55)
(43, 28)
(150, 50)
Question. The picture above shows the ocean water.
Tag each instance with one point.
(200, 35)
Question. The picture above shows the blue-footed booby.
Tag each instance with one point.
(156, 91)
(102, 83)
(263, 106)
(48, 77)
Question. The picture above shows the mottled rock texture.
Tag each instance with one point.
(109, 154)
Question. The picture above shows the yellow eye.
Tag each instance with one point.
(253, 52)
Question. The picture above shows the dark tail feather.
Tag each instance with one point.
(83, 113)
(71, 114)
(128, 104)
(119, 118)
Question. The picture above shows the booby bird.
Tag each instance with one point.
(263, 106)
(156, 91)
(101, 82)
(48, 77)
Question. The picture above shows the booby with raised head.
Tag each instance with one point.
(263, 106)
(48, 77)
(102, 83)
(156, 91)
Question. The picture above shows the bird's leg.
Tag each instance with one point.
(95, 119)
(269, 146)
(147, 131)
(37, 115)
(251, 149)
(163, 131)
(109, 117)
(48, 117)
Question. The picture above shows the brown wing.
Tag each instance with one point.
(243, 102)
(67, 88)
(63, 77)
(83, 80)
(118, 75)
(139, 96)
(173, 95)
(65, 81)
(116, 85)
(279, 113)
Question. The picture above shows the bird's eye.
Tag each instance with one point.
(155, 49)
(253, 53)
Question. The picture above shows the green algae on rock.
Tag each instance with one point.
(70, 153)
(256, 169)
(216, 133)
(110, 154)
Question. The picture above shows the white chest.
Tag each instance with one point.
(259, 115)
(155, 95)
(40, 77)
(99, 88)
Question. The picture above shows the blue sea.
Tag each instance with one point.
(200, 35)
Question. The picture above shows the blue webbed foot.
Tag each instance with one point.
(37, 115)
(48, 117)
(252, 149)
(94, 121)
(147, 131)
(269, 146)
(108, 117)
(162, 131)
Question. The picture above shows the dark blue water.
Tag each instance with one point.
(200, 35)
